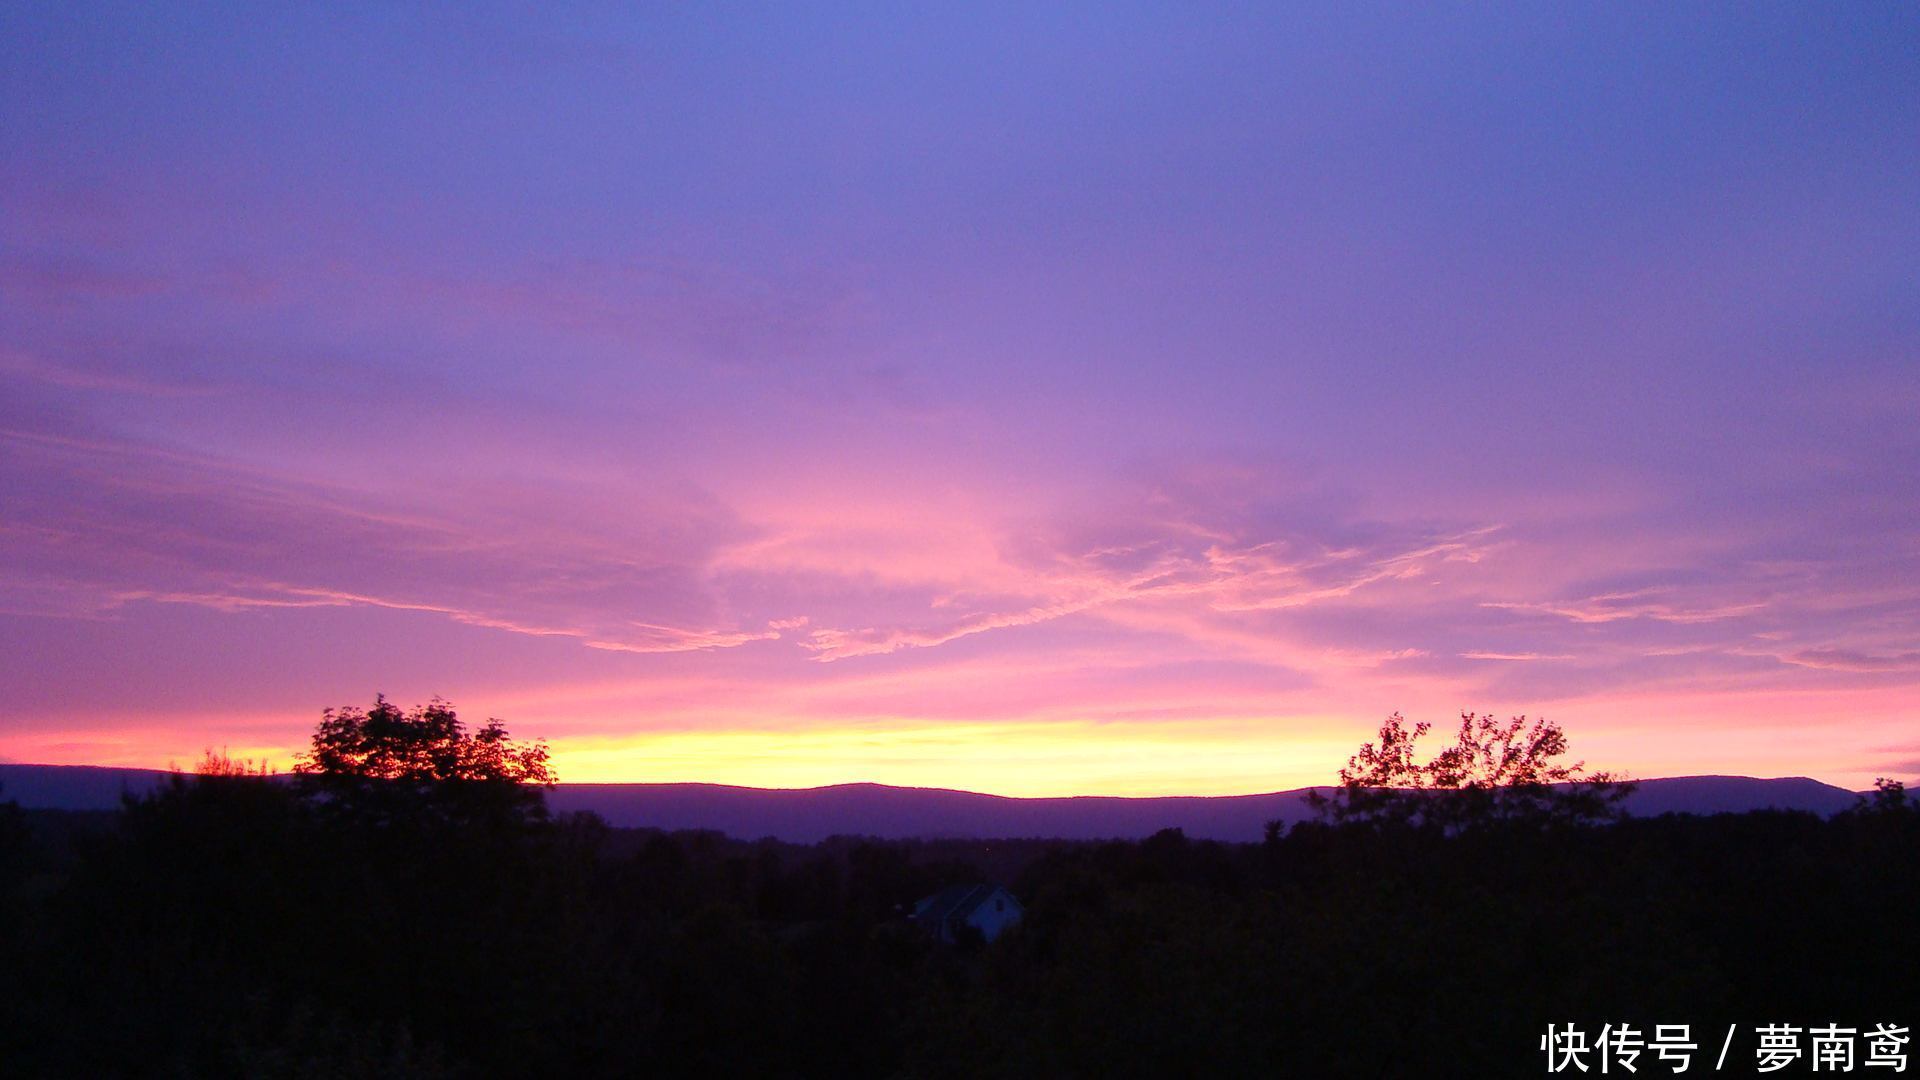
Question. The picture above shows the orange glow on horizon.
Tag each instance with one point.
(1033, 756)
(1030, 760)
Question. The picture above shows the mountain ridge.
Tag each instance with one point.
(805, 815)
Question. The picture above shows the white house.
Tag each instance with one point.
(988, 909)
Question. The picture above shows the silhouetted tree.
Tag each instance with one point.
(220, 765)
(1887, 820)
(1494, 771)
(1889, 800)
(383, 763)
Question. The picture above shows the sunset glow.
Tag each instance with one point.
(1037, 402)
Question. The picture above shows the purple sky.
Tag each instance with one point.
(1028, 399)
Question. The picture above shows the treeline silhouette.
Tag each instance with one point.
(236, 925)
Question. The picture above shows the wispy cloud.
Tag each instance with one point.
(1639, 604)
(1853, 660)
(22, 365)
(110, 521)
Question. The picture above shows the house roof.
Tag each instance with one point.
(954, 902)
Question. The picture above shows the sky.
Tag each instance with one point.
(1033, 399)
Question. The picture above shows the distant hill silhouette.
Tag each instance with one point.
(74, 787)
(806, 815)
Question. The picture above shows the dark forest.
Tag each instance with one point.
(235, 925)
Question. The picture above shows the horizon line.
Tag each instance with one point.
(922, 787)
